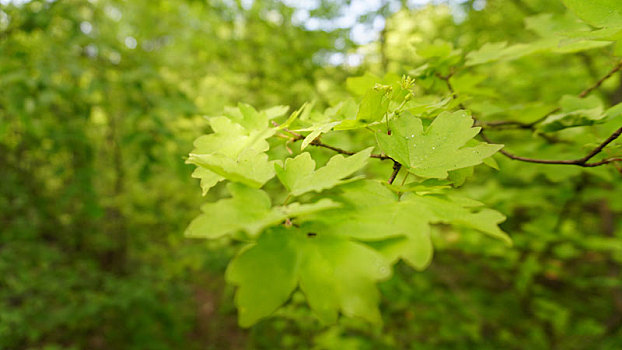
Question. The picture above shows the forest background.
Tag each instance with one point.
(100, 102)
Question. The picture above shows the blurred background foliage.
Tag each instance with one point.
(100, 101)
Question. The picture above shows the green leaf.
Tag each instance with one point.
(317, 131)
(547, 24)
(491, 52)
(438, 149)
(306, 107)
(426, 186)
(373, 107)
(299, 175)
(613, 112)
(208, 178)
(426, 105)
(297, 209)
(252, 169)
(416, 248)
(316, 277)
(234, 153)
(575, 111)
(228, 139)
(499, 52)
(355, 268)
(248, 210)
(491, 162)
(599, 13)
(487, 53)
(266, 275)
(441, 209)
(459, 176)
(275, 112)
(372, 213)
(249, 117)
(335, 274)
(361, 85)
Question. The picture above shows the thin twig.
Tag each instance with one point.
(332, 148)
(604, 144)
(396, 169)
(298, 137)
(601, 81)
(582, 162)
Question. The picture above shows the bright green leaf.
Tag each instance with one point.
(438, 149)
(599, 13)
(299, 175)
(248, 210)
(334, 273)
(208, 178)
(266, 275)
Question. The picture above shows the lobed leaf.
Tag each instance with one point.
(299, 176)
(334, 273)
(234, 152)
(249, 210)
(433, 152)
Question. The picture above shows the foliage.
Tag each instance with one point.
(459, 188)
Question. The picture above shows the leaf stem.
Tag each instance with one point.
(396, 169)
(298, 137)
(287, 199)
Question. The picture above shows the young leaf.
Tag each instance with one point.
(266, 274)
(446, 210)
(233, 152)
(372, 213)
(275, 112)
(360, 85)
(317, 132)
(438, 149)
(248, 210)
(299, 175)
(354, 270)
(252, 169)
(487, 53)
(306, 107)
(251, 119)
(372, 108)
(416, 248)
(334, 273)
(208, 178)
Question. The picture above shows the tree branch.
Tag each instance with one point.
(582, 162)
(506, 124)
